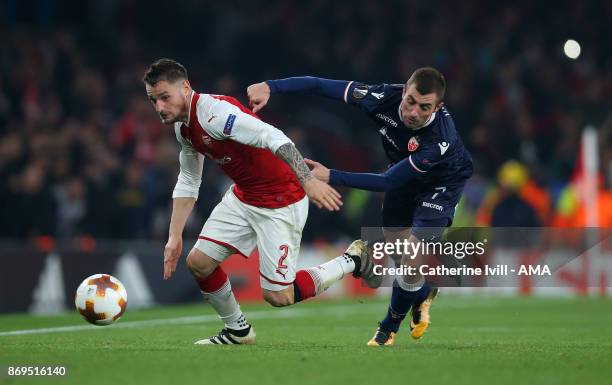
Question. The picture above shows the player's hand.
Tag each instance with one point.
(172, 253)
(318, 170)
(258, 94)
(323, 195)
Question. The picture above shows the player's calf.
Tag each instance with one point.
(217, 291)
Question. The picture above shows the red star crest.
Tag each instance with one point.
(413, 144)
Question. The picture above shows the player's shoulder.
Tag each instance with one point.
(217, 114)
(444, 126)
(211, 104)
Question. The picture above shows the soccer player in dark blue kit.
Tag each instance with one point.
(427, 172)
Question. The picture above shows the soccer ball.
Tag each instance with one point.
(101, 299)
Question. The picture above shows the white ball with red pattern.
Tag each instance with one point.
(101, 299)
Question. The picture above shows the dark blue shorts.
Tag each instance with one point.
(419, 206)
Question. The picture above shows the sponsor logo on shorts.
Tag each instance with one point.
(229, 124)
(432, 206)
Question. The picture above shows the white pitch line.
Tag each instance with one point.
(260, 314)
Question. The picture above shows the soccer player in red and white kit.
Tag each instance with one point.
(266, 207)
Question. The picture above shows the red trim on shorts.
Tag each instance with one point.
(275, 282)
(222, 244)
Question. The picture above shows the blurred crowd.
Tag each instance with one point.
(82, 152)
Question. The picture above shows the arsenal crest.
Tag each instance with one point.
(413, 144)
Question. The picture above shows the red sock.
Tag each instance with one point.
(213, 282)
(303, 286)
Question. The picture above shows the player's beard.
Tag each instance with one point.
(165, 119)
(170, 118)
(416, 123)
(413, 124)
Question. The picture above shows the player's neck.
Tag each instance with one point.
(187, 113)
(428, 122)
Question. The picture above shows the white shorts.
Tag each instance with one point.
(236, 227)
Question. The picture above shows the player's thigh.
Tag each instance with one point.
(397, 213)
(437, 203)
(433, 215)
(279, 234)
(398, 208)
(227, 230)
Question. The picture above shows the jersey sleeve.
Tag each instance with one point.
(329, 88)
(398, 175)
(401, 173)
(190, 174)
(366, 97)
(229, 122)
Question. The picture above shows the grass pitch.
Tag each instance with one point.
(471, 341)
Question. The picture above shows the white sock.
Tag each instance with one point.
(329, 272)
(225, 304)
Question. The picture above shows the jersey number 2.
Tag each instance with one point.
(281, 260)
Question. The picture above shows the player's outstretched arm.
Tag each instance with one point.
(398, 175)
(321, 193)
(259, 93)
(181, 208)
(184, 197)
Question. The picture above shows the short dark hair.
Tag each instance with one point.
(428, 80)
(164, 69)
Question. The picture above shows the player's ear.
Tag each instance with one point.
(440, 105)
(186, 87)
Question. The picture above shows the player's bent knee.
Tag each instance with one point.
(279, 298)
(200, 264)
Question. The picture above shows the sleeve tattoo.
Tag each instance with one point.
(290, 155)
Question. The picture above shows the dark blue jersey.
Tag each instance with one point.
(432, 155)
(435, 151)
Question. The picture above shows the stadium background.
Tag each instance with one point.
(85, 163)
